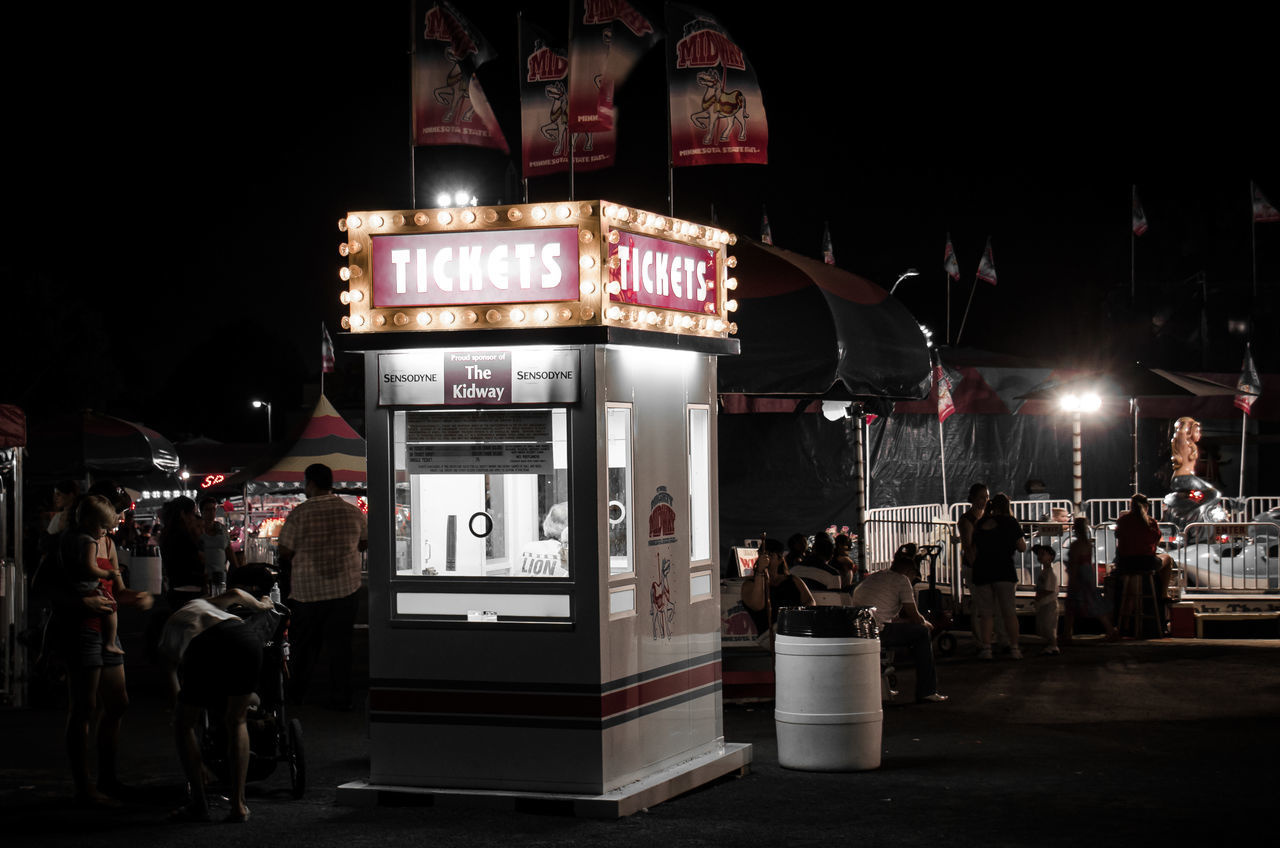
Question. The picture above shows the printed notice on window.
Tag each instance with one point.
(480, 459)
(533, 426)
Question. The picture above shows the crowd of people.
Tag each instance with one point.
(826, 565)
(990, 539)
(201, 629)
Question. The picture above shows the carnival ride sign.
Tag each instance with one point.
(579, 263)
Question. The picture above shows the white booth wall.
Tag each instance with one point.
(619, 672)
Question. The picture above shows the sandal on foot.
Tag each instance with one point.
(236, 818)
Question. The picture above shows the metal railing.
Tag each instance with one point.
(888, 528)
(1024, 511)
(1229, 557)
(1259, 504)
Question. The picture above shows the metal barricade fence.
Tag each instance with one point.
(1102, 510)
(1229, 557)
(1258, 504)
(888, 529)
(1024, 511)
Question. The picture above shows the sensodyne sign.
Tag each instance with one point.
(486, 377)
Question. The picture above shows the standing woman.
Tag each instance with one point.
(96, 690)
(180, 554)
(996, 538)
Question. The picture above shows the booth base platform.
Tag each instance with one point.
(651, 790)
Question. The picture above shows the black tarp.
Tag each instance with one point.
(806, 326)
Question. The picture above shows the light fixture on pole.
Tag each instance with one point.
(910, 272)
(1075, 404)
(258, 404)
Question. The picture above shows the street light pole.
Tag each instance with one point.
(258, 404)
(1075, 404)
(910, 272)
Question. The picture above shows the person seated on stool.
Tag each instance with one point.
(891, 592)
(1137, 535)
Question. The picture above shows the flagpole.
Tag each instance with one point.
(573, 137)
(946, 283)
(966, 310)
(1133, 250)
(671, 165)
(1244, 421)
(942, 452)
(1253, 248)
(413, 107)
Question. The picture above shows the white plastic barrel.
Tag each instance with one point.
(144, 574)
(827, 712)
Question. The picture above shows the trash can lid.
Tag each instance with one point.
(822, 622)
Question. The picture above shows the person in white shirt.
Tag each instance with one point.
(1047, 599)
(892, 594)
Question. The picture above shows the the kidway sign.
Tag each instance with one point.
(486, 377)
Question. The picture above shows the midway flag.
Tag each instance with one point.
(1263, 211)
(1140, 225)
(546, 136)
(942, 383)
(717, 114)
(1248, 382)
(949, 262)
(326, 350)
(987, 265)
(449, 106)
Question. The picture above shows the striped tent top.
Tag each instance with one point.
(329, 439)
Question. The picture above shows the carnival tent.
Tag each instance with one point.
(327, 438)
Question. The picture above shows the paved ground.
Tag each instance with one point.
(1132, 742)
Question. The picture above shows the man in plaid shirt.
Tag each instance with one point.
(320, 544)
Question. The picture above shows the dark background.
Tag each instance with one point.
(176, 175)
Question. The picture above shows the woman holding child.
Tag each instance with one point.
(85, 588)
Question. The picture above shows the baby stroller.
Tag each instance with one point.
(932, 602)
(273, 736)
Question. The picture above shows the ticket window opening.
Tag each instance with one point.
(481, 494)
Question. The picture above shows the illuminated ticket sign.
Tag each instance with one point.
(662, 273)
(535, 266)
(482, 267)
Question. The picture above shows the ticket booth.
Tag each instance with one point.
(543, 565)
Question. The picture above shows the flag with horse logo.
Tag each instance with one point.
(717, 115)
(547, 136)
(609, 37)
(449, 106)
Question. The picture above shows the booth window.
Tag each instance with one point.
(699, 483)
(618, 430)
(481, 493)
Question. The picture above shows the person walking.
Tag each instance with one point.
(320, 546)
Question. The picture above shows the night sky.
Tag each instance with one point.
(178, 176)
